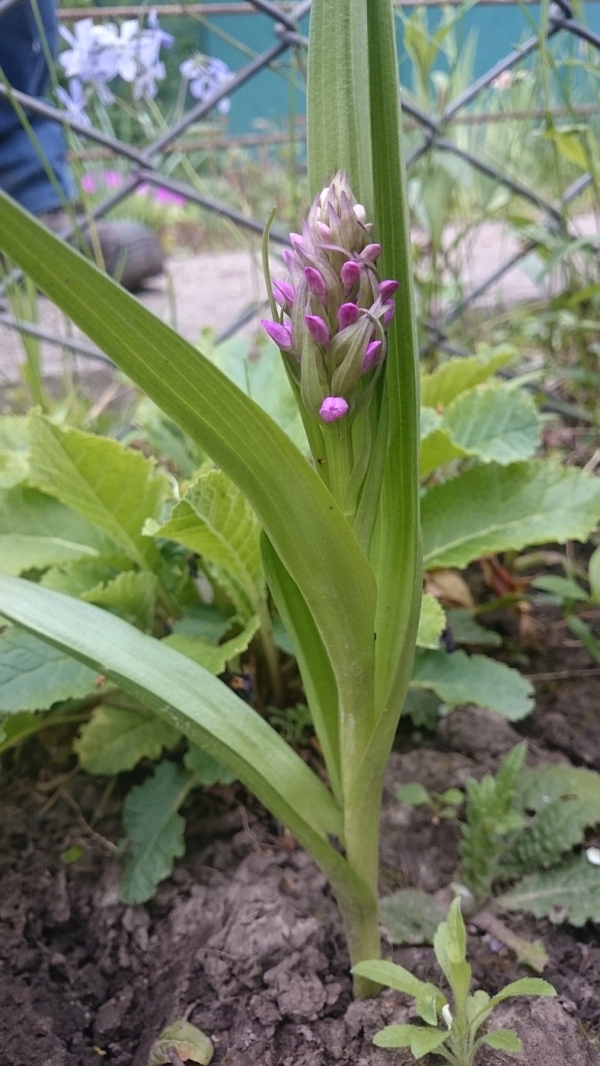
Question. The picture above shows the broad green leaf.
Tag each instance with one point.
(37, 531)
(258, 371)
(569, 893)
(419, 1039)
(458, 375)
(116, 739)
(131, 595)
(432, 622)
(337, 100)
(429, 422)
(14, 447)
(215, 520)
(503, 1040)
(306, 528)
(398, 548)
(411, 917)
(494, 508)
(465, 629)
(594, 574)
(200, 706)
(114, 488)
(154, 830)
(494, 424)
(568, 140)
(206, 769)
(34, 675)
(461, 678)
(391, 975)
(190, 1043)
(203, 622)
(413, 793)
(526, 986)
(18, 727)
(166, 438)
(457, 934)
(564, 587)
(213, 657)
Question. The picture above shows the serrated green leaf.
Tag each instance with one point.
(437, 449)
(116, 739)
(208, 771)
(112, 487)
(14, 447)
(458, 375)
(594, 574)
(465, 629)
(503, 1040)
(190, 1043)
(155, 831)
(461, 678)
(131, 595)
(78, 577)
(411, 917)
(36, 531)
(566, 801)
(494, 508)
(214, 657)
(494, 424)
(432, 622)
(34, 676)
(570, 893)
(413, 793)
(215, 520)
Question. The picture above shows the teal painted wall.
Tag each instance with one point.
(268, 98)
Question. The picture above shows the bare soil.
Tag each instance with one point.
(244, 939)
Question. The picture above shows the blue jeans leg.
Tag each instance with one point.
(23, 62)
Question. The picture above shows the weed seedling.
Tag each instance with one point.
(451, 1028)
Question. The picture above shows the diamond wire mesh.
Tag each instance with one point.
(146, 162)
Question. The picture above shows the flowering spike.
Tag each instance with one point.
(371, 356)
(332, 408)
(371, 252)
(284, 293)
(347, 315)
(316, 282)
(350, 273)
(318, 329)
(282, 335)
(387, 289)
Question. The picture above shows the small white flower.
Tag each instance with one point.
(446, 1015)
(593, 855)
(74, 101)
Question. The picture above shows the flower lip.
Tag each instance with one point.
(282, 335)
(332, 408)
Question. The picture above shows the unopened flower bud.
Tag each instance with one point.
(370, 253)
(318, 329)
(288, 258)
(332, 408)
(387, 289)
(298, 243)
(284, 293)
(316, 282)
(390, 310)
(347, 315)
(360, 212)
(282, 335)
(371, 356)
(350, 273)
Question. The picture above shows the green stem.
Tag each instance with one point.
(271, 653)
(340, 462)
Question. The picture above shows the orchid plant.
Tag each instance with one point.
(340, 540)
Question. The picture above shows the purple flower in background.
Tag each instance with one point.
(88, 183)
(206, 76)
(167, 40)
(112, 179)
(74, 101)
(167, 196)
(98, 54)
(78, 60)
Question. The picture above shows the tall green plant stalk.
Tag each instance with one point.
(341, 544)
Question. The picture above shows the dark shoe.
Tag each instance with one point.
(131, 252)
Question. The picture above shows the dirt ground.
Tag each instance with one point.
(244, 939)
